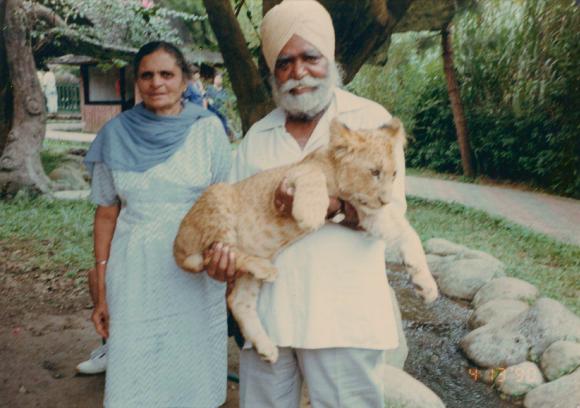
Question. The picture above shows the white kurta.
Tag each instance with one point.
(332, 289)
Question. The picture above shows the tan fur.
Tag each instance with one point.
(357, 166)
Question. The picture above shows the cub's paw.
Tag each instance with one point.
(426, 287)
(308, 219)
(264, 270)
(267, 351)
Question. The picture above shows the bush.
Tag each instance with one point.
(516, 64)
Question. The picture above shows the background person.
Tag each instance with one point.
(50, 92)
(194, 90)
(165, 328)
(216, 97)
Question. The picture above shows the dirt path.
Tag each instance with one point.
(45, 332)
(39, 355)
(558, 217)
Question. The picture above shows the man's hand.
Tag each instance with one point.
(284, 198)
(100, 319)
(334, 205)
(221, 263)
(351, 219)
(338, 206)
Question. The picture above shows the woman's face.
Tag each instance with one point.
(161, 83)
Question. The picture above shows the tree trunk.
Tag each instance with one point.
(254, 101)
(455, 99)
(362, 27)
(20, 165)
(268, 4)
(5, 90)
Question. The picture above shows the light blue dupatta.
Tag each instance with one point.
(138, 139)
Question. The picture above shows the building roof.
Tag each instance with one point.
(194, 56)
(71, 59)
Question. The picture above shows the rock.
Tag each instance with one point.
(494, 345)
(69, 176)
(403, 391)
(561, 358)
(398, 356)
(443, 255)
(517, 380)
(71, 194)
(562, 393)
(495, 311)
(22, 389)
(506, 288)
(464, 277)
(525, 336)
(547, 322)
(437, 264)
(442, 247)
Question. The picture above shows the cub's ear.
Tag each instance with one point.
(339, 138)
(340, 134)
(394, 131)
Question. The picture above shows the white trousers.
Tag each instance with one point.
(336, 378)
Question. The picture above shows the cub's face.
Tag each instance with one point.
(366, 163)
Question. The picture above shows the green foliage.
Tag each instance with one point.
(250, 18)
(519, 79)
(127, 23)
(200, 31)
(520, 83)
(412, 58)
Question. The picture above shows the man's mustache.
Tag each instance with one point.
(307, 81)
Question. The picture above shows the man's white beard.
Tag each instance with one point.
(309, 104)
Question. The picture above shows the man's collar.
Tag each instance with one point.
(348, 102)
(345, 102)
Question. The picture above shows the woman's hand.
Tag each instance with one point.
(221, 263)
(100, 319)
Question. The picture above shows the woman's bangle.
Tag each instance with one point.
(101, 261)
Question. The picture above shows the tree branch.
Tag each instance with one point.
(37, 11)
(254, 101)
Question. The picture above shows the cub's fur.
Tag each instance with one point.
(357, 166)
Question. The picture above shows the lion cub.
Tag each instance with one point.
(356, 166)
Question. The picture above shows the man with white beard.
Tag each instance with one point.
(331, 310)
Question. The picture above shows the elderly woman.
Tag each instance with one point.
(166, 329)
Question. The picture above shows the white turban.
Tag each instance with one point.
(306, 18)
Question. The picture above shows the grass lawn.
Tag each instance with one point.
(49, 234)
(552, 266)
(58, 235)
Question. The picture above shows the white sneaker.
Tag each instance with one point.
(96, 364)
